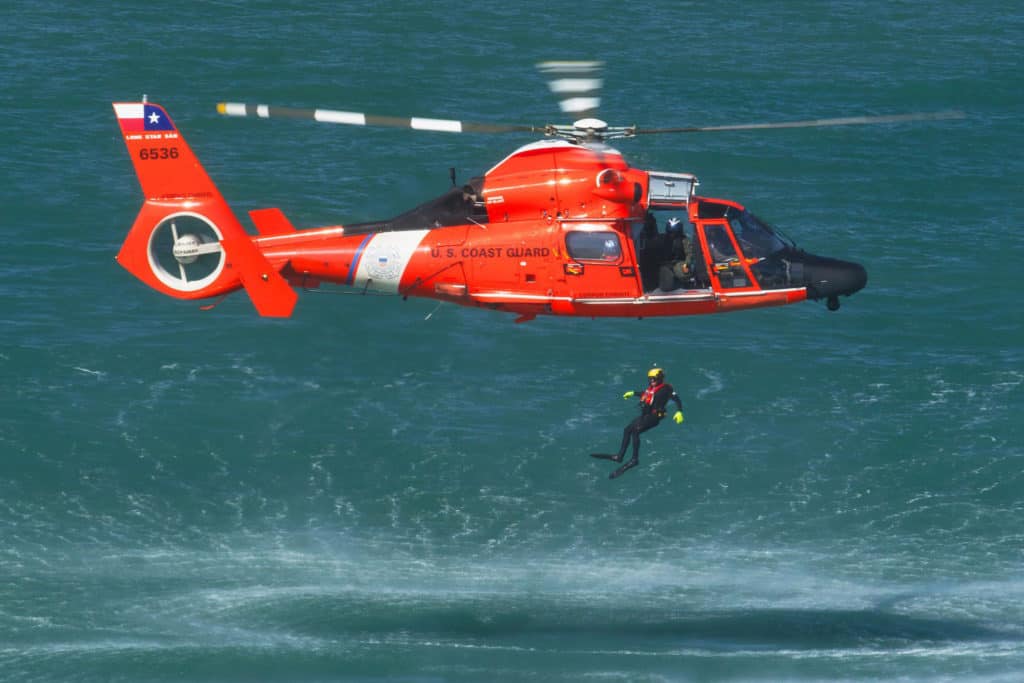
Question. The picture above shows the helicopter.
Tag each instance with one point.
(561, 226)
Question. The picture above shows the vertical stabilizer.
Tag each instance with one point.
(186, 242)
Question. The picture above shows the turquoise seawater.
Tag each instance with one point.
(378, 489)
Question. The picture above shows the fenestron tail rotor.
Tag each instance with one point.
(185, 252)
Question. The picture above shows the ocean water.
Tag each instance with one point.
(378, 489)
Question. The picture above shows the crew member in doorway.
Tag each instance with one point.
(647, 250)
(653, 402)
(676, 271)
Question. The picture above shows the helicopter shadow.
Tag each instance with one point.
(812, 629)
(662, 628)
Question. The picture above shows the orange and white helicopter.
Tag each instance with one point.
(562, 226)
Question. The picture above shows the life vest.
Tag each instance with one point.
(647, 399)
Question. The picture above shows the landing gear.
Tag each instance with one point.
(833, 303)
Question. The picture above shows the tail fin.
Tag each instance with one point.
(186, 242)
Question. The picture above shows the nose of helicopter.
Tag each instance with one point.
(829, 278)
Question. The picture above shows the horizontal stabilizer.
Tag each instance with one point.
(271, 222)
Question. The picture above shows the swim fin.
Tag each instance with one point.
(606, 456)
(619, 472)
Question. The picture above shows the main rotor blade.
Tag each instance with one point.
(812, 123)
(350, 118)
(577, 84)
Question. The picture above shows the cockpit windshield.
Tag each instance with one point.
(755, 237)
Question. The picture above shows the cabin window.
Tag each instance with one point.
(593, 246)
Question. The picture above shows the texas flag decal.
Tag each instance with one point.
(138, 117)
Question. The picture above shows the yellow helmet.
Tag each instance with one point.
(656, 373)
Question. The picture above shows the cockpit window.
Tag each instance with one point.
(755, 238)
(593, 245)
(712, 210)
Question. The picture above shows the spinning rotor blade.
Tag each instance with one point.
(576, 84)
(812, 123)
(350, 118)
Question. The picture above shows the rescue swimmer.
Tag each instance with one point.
(653, 402)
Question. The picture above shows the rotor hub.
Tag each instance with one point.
(590, 125)
(186, 249)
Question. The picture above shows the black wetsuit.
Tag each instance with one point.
(652, 409)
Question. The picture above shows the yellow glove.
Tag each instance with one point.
(678, 417)
(629, 394)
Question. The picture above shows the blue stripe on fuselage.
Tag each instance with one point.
(350, 278)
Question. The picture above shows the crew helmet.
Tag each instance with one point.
(656, 374)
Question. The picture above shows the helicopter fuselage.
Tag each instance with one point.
(566, 229)
(556, 228)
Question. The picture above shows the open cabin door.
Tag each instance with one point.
(665, 258)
